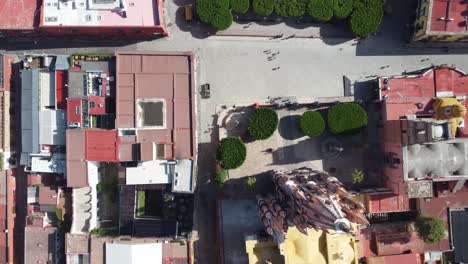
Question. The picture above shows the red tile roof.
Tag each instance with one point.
(450, 9)
(387, 203)
(413, 94)
(47, 196)
(77, 168)
(167, 76)
(388, 239)
(99, 105)
(19, 14)
(101, 145)
(397, 259)
(61, 78)
(74, 111)
(438, 207)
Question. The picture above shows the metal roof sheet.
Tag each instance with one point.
(30, 111)
(52, 127)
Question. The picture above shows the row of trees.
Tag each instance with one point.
(365, 15)
(343, 119)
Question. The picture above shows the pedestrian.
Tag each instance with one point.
(269, 150)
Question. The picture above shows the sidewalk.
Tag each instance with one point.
(287, 28)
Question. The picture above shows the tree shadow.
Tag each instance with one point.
(289, 127)
(196, 28)
(304, 150)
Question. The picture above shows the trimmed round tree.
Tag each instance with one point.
(263, 7)
(312, 123)
(297, 8)
(206, 10)
(290, 8)
(240, 6)
(347, 118)
(222, 20)
(366, 18)
(342, 8)
(214, 12)
(263, 123)
(430, 229)
(320, 10)
(231, 153)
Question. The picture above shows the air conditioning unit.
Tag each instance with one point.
(73, 124)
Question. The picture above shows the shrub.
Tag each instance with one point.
(312, 123)
(231, 153)
(206, 9)
(214, 12)
(367, 17)
(346, 118)
(297, 8)
(285, 8)
(222, 20)
(250, 183)
(221, 176)
(104, 232)
(357, 176)
(320, 9)
(430, 229)
(342, 8)
(263, 7)
(240, 6)
(263, 123)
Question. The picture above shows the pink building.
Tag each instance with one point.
(72, 18)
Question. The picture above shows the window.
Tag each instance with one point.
(77, 110)
(127, 132)
(92, 104)
(160, 151)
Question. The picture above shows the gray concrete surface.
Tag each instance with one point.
(239, 219)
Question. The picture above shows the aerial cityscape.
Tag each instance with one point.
(233, 131)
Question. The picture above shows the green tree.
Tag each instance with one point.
(231, 153)
(250, 183)
(290, 8)
(342, 8)
(320, 10)
(222, 20)
(347, 118)
(430, 229)
(215, 13)
(263, 123)
(312, 123)
(366, 17)
(263, 7)
(357, 176)
(240, 6)
(221, 175)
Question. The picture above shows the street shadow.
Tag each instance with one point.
(46, 43)
(234, 188)
(365, 90)
(394, 36)
(289, 127)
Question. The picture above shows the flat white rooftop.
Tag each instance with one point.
(91, 13)
(122, 253)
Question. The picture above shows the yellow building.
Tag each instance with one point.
(441, 21)
(318, 247)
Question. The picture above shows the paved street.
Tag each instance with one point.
(238, 69)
